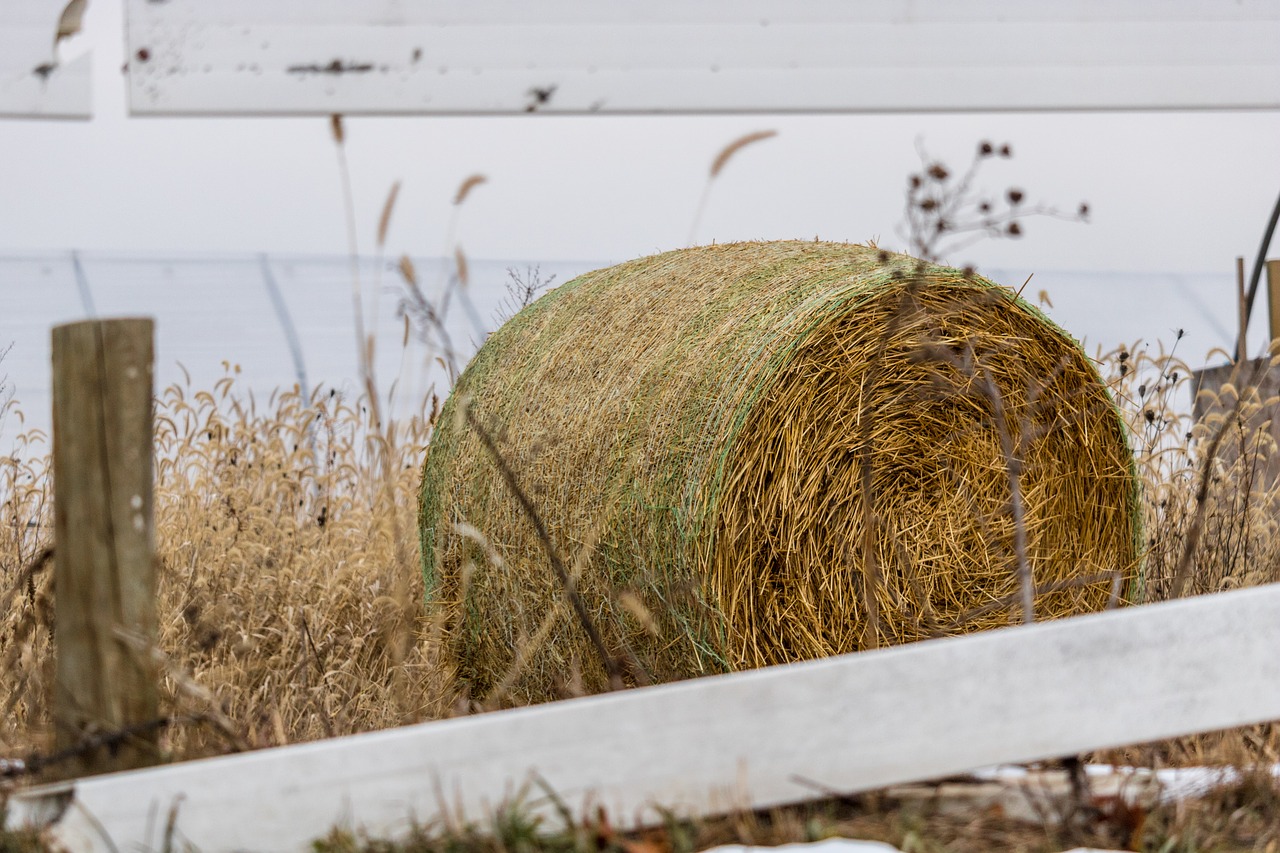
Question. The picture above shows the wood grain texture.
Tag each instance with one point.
(1273, 298)
(757, 739)
(104, 570)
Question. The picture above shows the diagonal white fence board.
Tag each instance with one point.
(57, 90)
(754, 739)
(618, 56)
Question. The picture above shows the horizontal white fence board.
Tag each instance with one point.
(65, 93)
(64, 90)
(616, 56)
(755, 739)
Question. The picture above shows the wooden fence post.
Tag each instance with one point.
(104, 575)
(1256, 379)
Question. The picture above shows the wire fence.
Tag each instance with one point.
(272, 320)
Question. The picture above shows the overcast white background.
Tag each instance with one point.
(1170, 192)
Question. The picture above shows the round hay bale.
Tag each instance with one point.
(758, 453)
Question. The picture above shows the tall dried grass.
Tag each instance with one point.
(1218, 474)
(289, 593)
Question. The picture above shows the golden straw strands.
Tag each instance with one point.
(782, 451)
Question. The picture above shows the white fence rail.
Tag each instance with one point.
(750, 739)
(33, 82)
(617, 56)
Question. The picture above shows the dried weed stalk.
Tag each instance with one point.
(1211, 499)
(946, 212)
(717, 166)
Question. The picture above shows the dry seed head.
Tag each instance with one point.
(460, 262)
(737, 145)
(408, 271)
(633, 605)
(461, 408)
(237, 492)
(465, 188)
(336, 129)
(384, 221)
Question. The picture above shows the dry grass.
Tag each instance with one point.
(26, 608)
(1232, 495)
(905, 400)
(701, 428)
(1215, 515)
(289, 598)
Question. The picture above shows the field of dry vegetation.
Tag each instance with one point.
(291, 597)
(291, 600)
(290, 592)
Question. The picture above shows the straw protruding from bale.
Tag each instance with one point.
(758, 453)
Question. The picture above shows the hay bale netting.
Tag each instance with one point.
(696, 430)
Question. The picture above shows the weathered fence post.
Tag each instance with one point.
(104, 576)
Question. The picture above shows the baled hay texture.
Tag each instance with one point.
(697, 430)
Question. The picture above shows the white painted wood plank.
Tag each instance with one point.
(66, 93)
(611, 56)
(63, 90)
(758, 738)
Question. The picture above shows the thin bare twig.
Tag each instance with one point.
(338, 132)
(1004, 602)
(92, 742)
(427, 315)
(870, 521)
(717, 165)
(1012, 451)
(610, 663)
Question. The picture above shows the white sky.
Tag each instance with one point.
(1169, 192)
